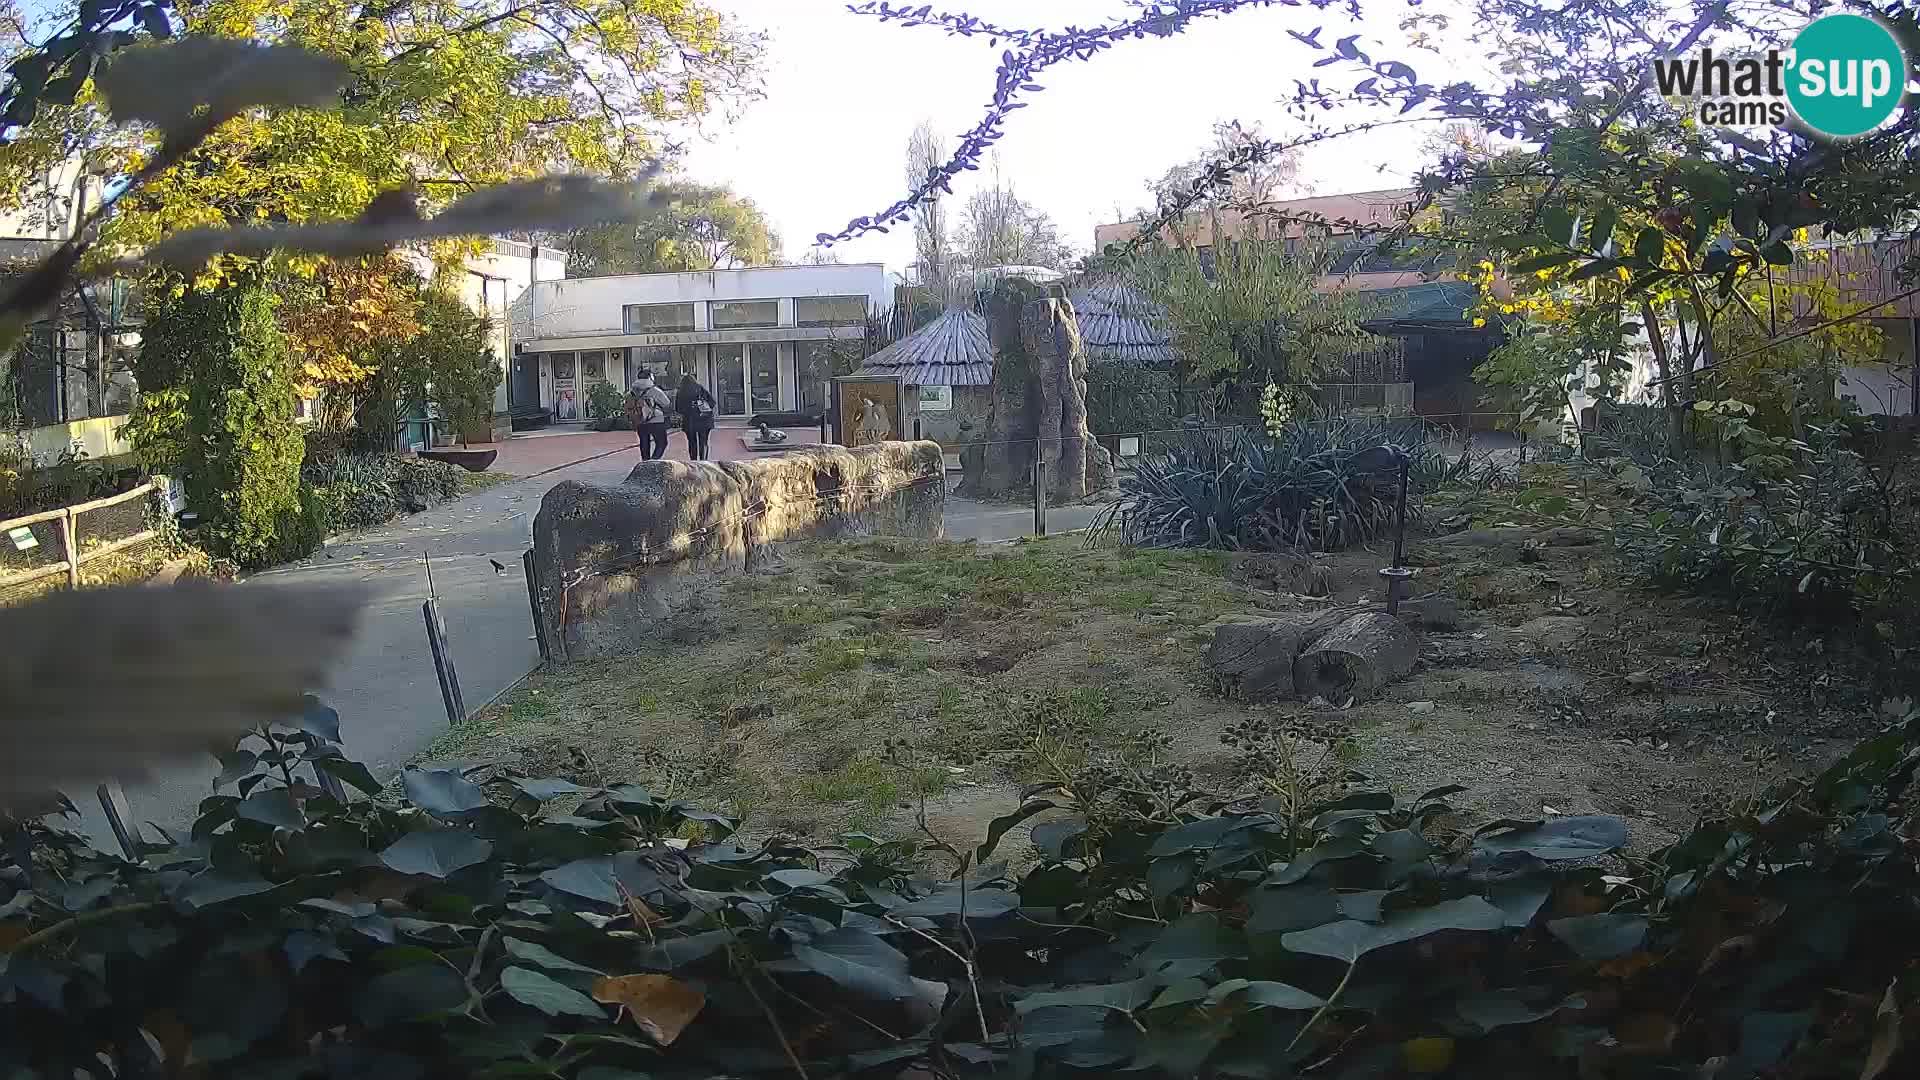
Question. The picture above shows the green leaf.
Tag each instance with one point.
(319, 720)
(1169, 875)
(410, 993)
(436, 853)
(350, 772)
(1350, 939)
(274, 806)
(1601, 230)
(1504, 1008)
(1778, 253)
(1545, 262)
(1195, 939)
(1600, 937)
(1267, 995)
(862, 963)
(1326, 851)
(1183, 992)
(1200, 835)
(1118, 997)
(978, 903)
(1650, 246)
(305, 946)
(1580, 837)
(1521, 899)
(529, 987)
(1281, 909)
(594, 878)
(1765, 1037)
(1558, 224)
(545, 790)
(1052, 837)
(998, 827)
(210, 887)
(1593, 269)
(442, 791)
(542, 956)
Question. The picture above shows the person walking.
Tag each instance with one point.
(695, 405)
(647, 407)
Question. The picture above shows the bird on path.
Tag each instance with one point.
(498, 566)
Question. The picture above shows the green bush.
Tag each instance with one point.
(1128, 398)
(237, 442)
(474, 930)
(605, 400)
(360, 491)
(1317, 486)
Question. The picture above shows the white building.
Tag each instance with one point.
(495, 279)
(762, 338)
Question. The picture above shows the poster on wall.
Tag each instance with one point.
(566, 399)
(870, 410)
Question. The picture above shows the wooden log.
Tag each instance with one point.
(1356, 658)
(1252, 656)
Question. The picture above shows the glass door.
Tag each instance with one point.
(763, 376)
(730, 379)
(593, 372)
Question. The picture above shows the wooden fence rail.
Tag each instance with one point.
(69, 519)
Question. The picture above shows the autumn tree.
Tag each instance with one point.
(706, 227)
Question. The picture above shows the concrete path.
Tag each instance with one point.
(386, 691)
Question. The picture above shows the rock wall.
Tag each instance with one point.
(611, 562)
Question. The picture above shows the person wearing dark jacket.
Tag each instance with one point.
(695, 405)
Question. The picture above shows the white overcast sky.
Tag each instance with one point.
(844, 92)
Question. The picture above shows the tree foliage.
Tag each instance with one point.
(1251, 313)
(702, 227)
(337, 323)
(475, 929)
(999, 228)
(226, 379)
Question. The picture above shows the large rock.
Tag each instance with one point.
(1039, 395)
(611, 562)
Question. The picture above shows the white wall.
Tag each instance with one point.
(593, 307)
(50, 208)
(491, 282)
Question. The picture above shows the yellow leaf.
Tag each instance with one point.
(661, 1005)
(1427, 1056)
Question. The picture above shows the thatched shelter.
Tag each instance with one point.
(948, 368)
(1119, 323)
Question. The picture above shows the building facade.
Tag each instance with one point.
(763, 339)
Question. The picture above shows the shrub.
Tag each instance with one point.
(1126, 398)
(361, 491)
(469, 930)
(1317, 486)
(605, 400)
(238, 445)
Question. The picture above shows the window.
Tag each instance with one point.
(829, 310)
(742, 314)
(813, 371)
(659, 318)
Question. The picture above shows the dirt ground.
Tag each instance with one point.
(857, 686)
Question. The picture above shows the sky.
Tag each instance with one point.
(844, 92)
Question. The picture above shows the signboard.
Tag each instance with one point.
(23, 538)
(869, 409)
(175, 495)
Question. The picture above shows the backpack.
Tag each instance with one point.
(700, 408)
(647, 406)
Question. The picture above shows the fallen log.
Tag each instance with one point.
(1355, 658)
(1252, 656)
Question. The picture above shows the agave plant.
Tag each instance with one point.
(1317, 485)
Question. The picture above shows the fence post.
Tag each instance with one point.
(113, 801)
(1039, 486)
(443, 663)
(71, 544)
(533, 601)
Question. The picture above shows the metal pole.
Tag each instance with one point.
(533, 600)
(1400, 514)
(443, 664)
(1039, 486)
(114, 802)
(916, 429)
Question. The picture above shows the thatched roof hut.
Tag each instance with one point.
(1118, 322)
(952, 350)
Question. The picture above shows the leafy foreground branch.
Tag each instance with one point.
(533, 927)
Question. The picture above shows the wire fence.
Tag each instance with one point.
(37, 550)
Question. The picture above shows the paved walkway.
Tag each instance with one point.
(531, 452)
(386, 691)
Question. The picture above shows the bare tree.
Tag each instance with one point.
(998, 228)
(933, 253)
(1260, 182)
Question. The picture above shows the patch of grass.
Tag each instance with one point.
(873, 786)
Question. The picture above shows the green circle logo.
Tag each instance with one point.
(1847, 75)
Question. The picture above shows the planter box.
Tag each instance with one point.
(478, 433)
(470, 460)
